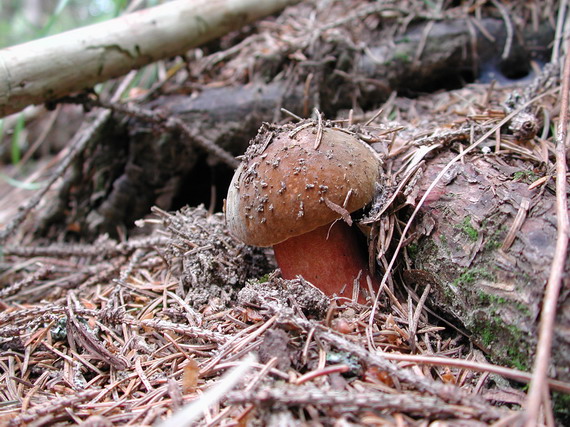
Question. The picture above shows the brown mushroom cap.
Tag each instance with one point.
(284, 189)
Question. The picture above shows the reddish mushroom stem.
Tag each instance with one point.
(331, 258)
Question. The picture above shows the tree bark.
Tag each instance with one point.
(492, 288)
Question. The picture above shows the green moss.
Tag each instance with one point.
(468, 229)
(488, 299)
(492, 244)
(562, 407)
(402, 57)
(525, 176)
(264, 278)
(448, 293)
(470, 275)
(494, 234)
(523, 308)
(404, 39)
(496, 329)
(498, 300)
(510, 337)
(518, 358)
(412, 250)
(483, 298)
(491, 299)
(487, 337)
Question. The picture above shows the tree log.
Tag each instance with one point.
(492, 288)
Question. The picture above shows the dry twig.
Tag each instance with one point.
(560, 259)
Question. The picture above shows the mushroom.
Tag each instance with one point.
(295, 190)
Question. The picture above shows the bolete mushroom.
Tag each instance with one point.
(295, 190)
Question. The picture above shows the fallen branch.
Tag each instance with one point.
(172, 124)
(49, 68)
(448, 393)
(350, 402)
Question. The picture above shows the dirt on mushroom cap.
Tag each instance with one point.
(291, 178)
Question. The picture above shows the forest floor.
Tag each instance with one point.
(172, 317)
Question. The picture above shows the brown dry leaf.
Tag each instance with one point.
(377, 374)
(92, 322)
(190, 375)
(74, 227)
(252, 315)
(88, 304)
(343, 326)
(147, 316)
(448, 377)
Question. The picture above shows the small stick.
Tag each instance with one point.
(517, 224)
(371, 119)
(510, 373)
(448, 393)
(559, 30)
(319, 129)
(548, 315)
(321, 372)
(170, 123)
(414, 320)
(290, 113)
(51, 407)
(422, 44)
(350, 402)
(508, 27)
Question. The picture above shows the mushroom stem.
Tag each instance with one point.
(330, 257)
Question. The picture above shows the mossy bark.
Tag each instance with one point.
(495, 292)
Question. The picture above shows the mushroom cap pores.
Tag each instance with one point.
(280, 192)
